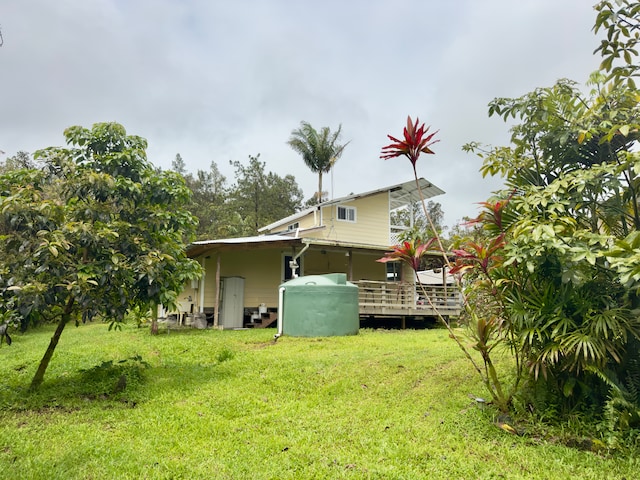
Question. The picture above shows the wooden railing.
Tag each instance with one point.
(400, 298)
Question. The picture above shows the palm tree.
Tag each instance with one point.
(319, 150)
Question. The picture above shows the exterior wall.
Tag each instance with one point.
(262, 272)
(308, 221)
(364, 265)
(371, 225)
(260, 268)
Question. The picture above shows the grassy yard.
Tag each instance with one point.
(234, 405)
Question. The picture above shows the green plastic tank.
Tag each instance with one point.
(320, 306)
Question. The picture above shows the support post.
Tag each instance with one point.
(204, 273)
(216, 306)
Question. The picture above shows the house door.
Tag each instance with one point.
(232, 302)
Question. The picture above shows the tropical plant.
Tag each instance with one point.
(416, 141)
(319, 149)
(566, 285)
(95, 233)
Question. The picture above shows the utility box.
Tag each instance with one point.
(320, 306)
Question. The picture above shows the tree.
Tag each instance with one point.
(209, 203)
(319, 150)
(178, 165)
(414, 219)
(261, 198)
(560, 263)
(618, 48)
(20, 160)
(93, 234)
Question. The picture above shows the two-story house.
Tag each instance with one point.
(344, 235)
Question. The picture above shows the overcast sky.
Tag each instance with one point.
(222, 80)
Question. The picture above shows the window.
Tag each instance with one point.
(394, 271)
(293, 226)
(347, 214)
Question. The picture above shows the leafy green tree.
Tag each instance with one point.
(20, 160)
(210, 203)
(260, 197)
(416, 222)
(178, 165)
(621, 20)
(319, 150)
(93, 234)
(559, 262)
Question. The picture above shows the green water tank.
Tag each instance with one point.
(320, 306)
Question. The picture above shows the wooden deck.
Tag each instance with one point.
(398, 299)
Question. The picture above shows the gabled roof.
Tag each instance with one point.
(401, 194)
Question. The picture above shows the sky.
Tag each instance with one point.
(221, 80)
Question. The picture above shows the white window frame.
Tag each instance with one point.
(348, 212)
(293, 227)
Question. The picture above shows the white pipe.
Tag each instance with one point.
(280, 312)
(296, 257)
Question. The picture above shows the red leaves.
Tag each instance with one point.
(416, 141)
(409, 252)
(477, 255)
(493, 216)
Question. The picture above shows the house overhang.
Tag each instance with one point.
(197, 249)
(260, 242)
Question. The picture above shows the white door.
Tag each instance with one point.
(232, 308)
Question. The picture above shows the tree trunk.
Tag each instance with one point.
(154, 319)
(44, 363)
(320, 186)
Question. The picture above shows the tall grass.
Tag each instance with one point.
(236, 405)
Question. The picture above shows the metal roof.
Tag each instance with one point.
(198, 248)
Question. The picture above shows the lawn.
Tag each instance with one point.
(235, 405)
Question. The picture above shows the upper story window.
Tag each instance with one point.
(293, 226)
(347, 214)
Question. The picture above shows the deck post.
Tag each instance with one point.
(444, 282)
(216, 305)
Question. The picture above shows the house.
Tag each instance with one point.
(344, 235)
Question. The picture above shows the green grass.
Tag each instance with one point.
(235, 405)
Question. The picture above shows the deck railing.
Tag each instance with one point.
(401, 298)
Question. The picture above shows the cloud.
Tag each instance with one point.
(218, 80)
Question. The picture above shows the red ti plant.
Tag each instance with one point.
(416, 141)
(410, 253)
(479, 256)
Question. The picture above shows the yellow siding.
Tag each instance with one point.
(308, 221)
(262, 272)
(318, 263)
(364, 265)
(371, 225)
(260, 268)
